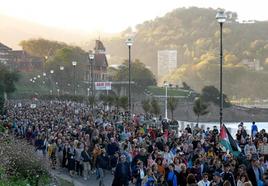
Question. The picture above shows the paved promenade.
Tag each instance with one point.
(79, 181)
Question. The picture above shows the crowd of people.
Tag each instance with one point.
(86, 141)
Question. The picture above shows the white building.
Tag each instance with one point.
(166, 62)
(252, 64)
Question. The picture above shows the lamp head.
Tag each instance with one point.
(74, 63)
(129, 41)
(61, 67)
(221, 16)
(91, 56)
(51, 71)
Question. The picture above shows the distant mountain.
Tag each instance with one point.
(13, 30)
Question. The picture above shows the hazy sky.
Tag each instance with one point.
(116, 15)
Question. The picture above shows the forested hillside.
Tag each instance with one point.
(194, 33)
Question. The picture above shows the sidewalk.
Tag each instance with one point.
(79, 181)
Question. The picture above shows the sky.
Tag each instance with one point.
(112, 16)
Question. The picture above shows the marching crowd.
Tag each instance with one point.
(98, 142)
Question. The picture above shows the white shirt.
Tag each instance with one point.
(203, 183)
(142, 174)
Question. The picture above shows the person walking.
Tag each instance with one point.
(86, 158)
(102, 163)
(122, 173)
(254, 130)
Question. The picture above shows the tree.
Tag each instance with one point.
(200, 108)
(103, 99)
(7, 84)
(141, 75)
(64, 57)
(212, 94)
(124, 102)
(155, 108)
(186, 86)
(110, 100)
(91, 101)
(117, 103)
(41, 47)
(172, 104)
(146, 105)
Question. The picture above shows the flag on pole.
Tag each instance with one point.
(228, 141)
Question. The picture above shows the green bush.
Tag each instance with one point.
(19, 162)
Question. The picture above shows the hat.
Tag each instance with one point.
(217, 174)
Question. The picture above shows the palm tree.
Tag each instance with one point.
(172, 105)
(155, 108)
(146, 105)
(123, 102)
(200, 108)
(110, 101)
(117, 103)
(91, 101)
(103, 99)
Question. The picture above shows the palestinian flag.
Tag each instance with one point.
(228, 141)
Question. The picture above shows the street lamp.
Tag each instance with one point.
(166, 97)
(221, 18)
(51, 91)
(91, 58)
(61, 68)
(74, 63)
(88, 89)
(44, 75)
(129, 43)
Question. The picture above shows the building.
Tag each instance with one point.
(252, 64)
(22, 61)
(18, 59)
(166, 62)
(100, 63)
(5, 54)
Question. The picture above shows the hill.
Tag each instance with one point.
(194, 33)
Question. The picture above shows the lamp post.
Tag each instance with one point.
(129, 43)
(166, 86)
(61, 79)
(74, 63)
(221, 18)
(44, 75)
(91, 58)
(51, 91)
(88, 89)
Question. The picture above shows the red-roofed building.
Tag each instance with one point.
(100, 62)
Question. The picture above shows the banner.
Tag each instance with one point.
(103, 85)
